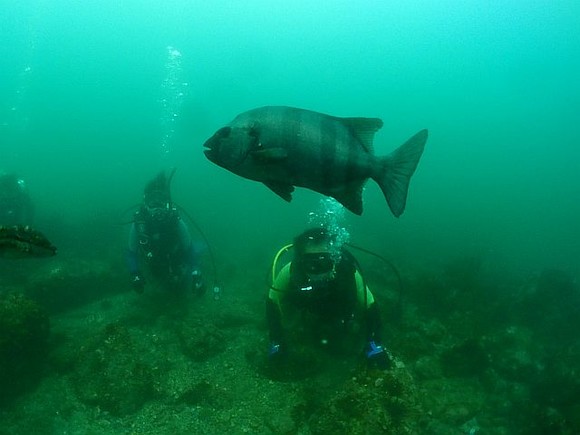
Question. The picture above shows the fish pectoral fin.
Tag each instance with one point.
(351, 197)
(281, 189)
(268, 155)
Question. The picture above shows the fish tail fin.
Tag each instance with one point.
(396, 170)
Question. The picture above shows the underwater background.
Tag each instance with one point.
(96, 97)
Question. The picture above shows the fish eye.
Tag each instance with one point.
(253, 131)
(223, 132)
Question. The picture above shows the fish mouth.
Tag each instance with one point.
(210, 153)
(210, 150)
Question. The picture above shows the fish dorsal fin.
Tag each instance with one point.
(364, 129)
(351, 197)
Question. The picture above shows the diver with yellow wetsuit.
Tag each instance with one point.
(322, 295)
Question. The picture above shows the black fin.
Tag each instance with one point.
(364, 129)
(397, 169)
(270, 154)
(351, 197)
(281, 189)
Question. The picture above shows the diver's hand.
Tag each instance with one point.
(377, 356)
(276, 353)
(138, 283)
(197, 283)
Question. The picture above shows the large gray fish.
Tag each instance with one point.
(24, 242)
(285, 147)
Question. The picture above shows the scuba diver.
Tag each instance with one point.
(160, 244)
(15, 204)
(321, 294)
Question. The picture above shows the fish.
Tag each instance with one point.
(22, 241)
(287, 147)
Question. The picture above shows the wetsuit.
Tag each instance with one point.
(334, 305)
(165, 249)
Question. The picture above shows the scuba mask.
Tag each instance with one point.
(159, 211)
(158, 205)
(318, 269)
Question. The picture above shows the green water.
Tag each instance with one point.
(93, 104)
(81, 85)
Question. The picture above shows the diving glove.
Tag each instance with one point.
(197, 283)
(378, 356)
(138, 283)
(275, 352)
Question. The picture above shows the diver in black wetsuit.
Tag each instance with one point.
(160, 245)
